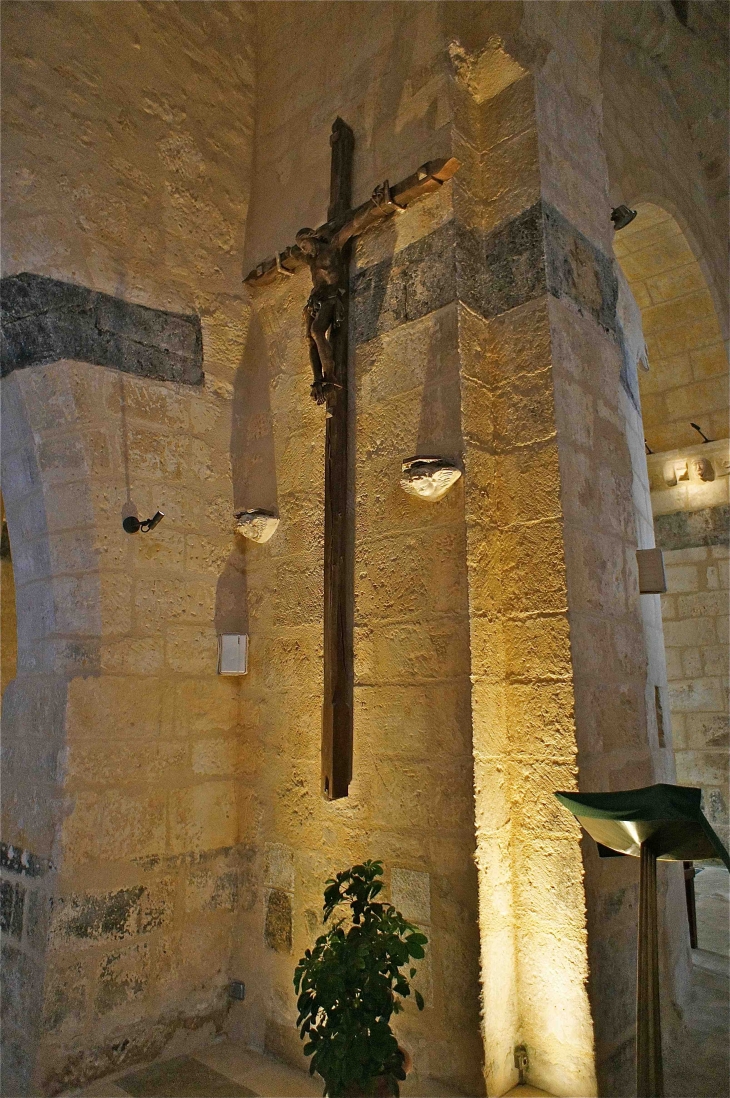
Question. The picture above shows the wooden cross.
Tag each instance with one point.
(328, 256)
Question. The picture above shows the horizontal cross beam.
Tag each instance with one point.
(429, 178)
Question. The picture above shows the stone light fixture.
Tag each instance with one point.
(256, 525)
(429, 478)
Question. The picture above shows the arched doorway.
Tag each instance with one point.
(684, 382)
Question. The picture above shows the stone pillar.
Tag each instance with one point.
(558, 644)
(532, 907)
(125, 801)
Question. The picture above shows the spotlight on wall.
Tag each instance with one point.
(132, 524)
(701, 432)
(622, 216)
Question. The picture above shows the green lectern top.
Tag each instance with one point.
(666, 817)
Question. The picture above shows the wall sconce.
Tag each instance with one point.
(652, 580)
(700, 432)
(131, 524)
(429, 478)
(256, 525)
(622, 216)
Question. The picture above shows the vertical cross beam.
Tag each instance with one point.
(338, 540)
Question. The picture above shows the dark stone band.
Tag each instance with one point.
(693, 529)
(44, 320)
(535, 253)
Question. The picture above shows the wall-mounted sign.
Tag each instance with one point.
(232, 654)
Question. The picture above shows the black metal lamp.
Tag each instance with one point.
(622, 216)
(658, 822)
(132, 524)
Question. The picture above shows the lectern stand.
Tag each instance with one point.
(656, 823)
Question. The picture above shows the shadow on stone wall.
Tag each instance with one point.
(253, 465)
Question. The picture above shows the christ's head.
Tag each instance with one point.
(306, 239)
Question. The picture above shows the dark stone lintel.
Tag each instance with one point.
(693, 529)
(44, 320)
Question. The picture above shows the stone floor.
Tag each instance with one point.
(226, 1070)
(699, 1069)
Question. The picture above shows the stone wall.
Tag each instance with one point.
(691, 503)
(555, 628)
(128, 845)
(8, 624)
(695, 613)
(411, 799)
(166, 830)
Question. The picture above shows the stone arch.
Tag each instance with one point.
(45, 496)
(687, 375)
(653, 117)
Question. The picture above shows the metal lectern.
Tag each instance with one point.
(657, 823)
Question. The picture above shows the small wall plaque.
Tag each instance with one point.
(232, 654)
(652, 580)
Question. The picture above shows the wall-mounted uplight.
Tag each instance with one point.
(699, 431)
(132, 524)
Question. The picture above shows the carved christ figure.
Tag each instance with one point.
(322, 251)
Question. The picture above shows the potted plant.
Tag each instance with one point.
(351, 983)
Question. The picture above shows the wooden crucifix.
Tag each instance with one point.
(327, 252)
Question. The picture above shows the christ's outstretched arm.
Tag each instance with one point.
(380, 205)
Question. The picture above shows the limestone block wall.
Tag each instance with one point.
(137, 841)
(8, 623)
(174, 835)
(616, 656)
(522, 697)
(561, 654)
(695, 613)
(411, 799)
(691, 521)
(126, 832)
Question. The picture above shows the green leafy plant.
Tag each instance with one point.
(351, 984)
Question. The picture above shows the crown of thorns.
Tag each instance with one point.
(307, 234)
